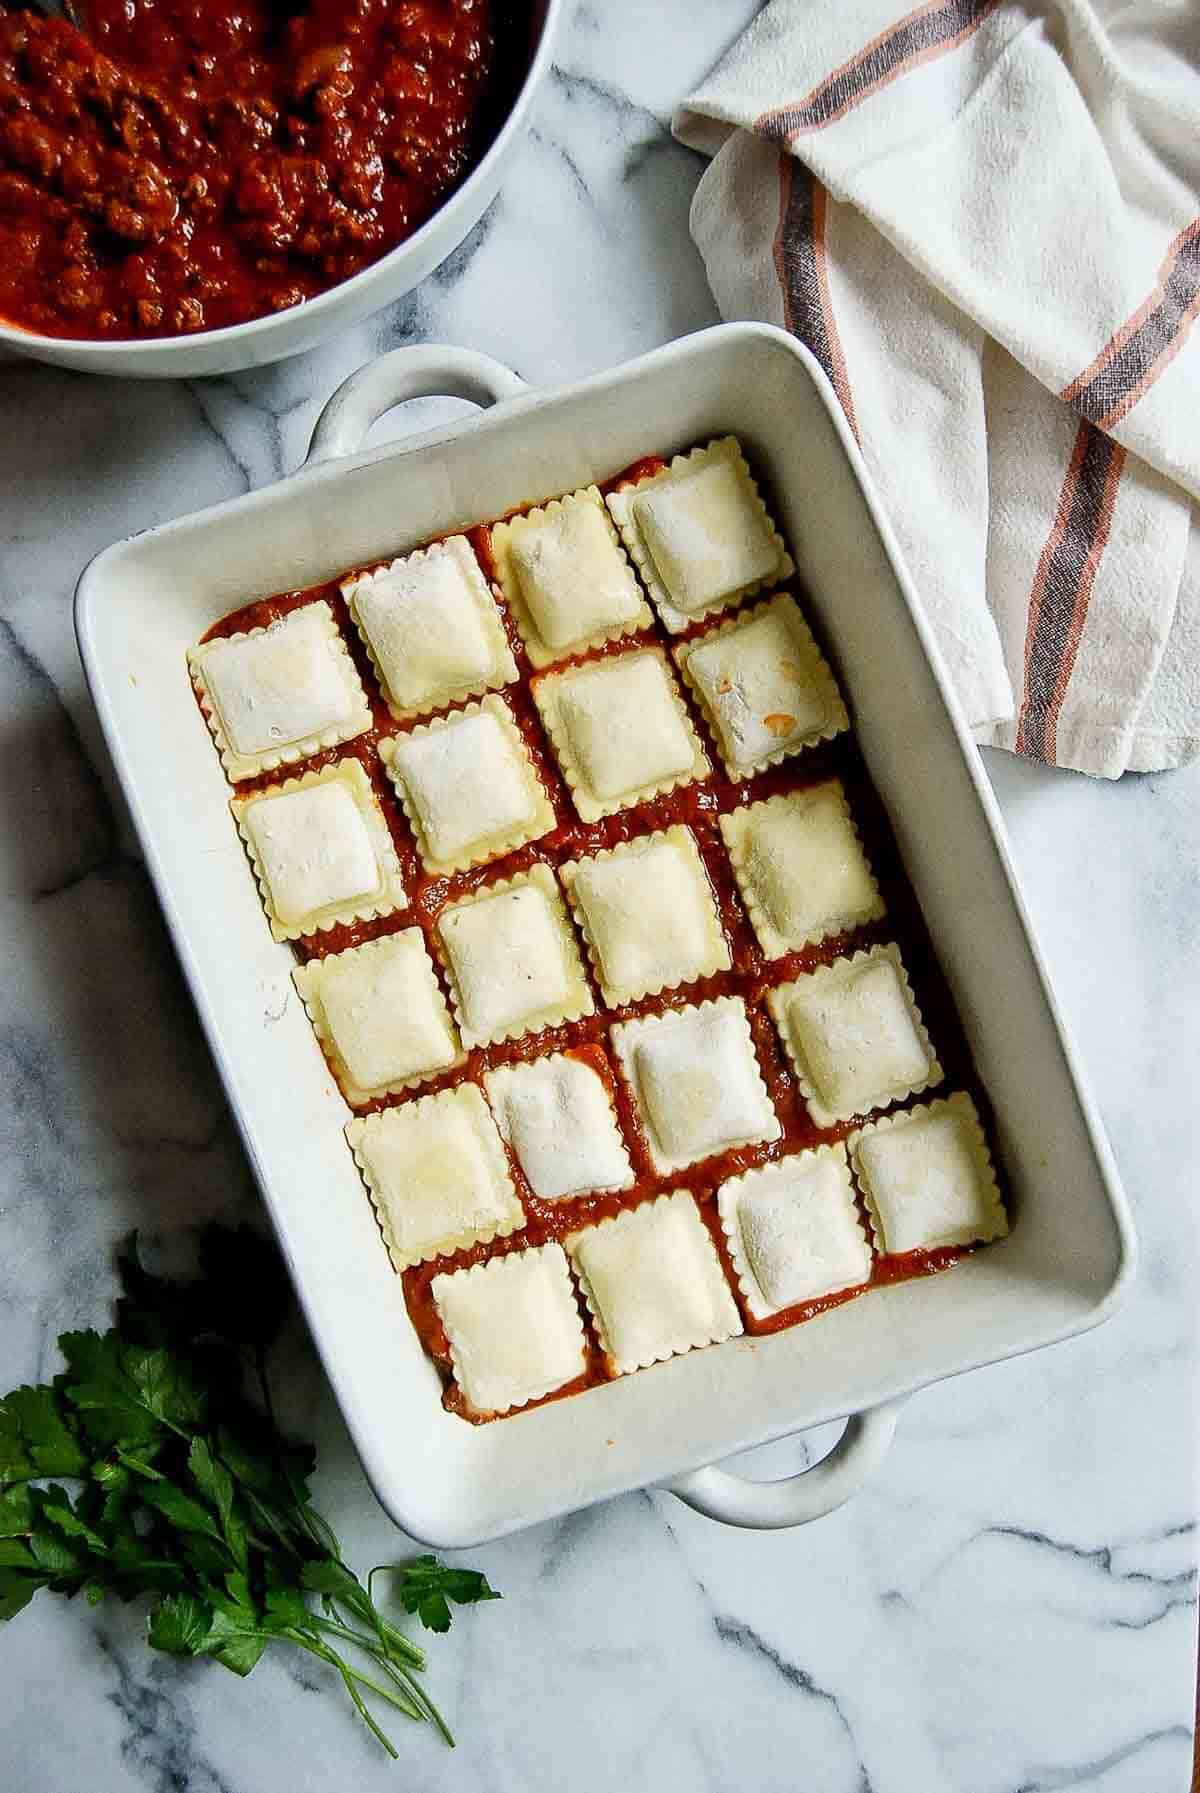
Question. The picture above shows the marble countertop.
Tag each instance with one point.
(1011, 1603)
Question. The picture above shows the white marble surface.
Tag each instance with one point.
(1011, 1604)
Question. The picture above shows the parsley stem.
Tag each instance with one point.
(397, 1641)
(362, 1604)
(410, 1653)
(413, 1695)
(361, 1705)
(404, 1680)
(419, 1694)
(364, 1608)
(403, 1703)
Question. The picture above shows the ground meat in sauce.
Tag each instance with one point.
(194, 163)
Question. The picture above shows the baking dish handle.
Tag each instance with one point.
(423, 371)
(769, 1506)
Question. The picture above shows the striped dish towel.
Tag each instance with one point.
(983, 219)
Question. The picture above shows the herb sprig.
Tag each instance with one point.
(186, 1490)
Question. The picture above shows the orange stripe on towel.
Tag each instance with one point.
(931, 30)
(1062, 586)
(1147, 342)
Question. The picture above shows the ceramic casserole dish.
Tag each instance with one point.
(143, 602)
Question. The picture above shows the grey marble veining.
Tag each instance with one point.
(1010, 1606)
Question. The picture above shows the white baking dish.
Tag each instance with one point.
(141, 604)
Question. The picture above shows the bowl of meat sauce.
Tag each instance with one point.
(194, 186)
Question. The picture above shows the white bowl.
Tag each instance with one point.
(301, 327)
(143, 602)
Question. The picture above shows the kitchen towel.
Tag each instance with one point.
(983, 219)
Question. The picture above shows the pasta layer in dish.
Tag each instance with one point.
(602, 931)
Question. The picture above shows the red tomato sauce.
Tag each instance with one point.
(180, 165)
(751, 974)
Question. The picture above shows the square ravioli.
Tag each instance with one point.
(928, 1177)
(695, 1077)
(653, 1282)
(276, 694)
(513, 1327)
(437, 1175)
(793, 1230)
(620, 731)
(566, 578)
(556, 1114)
(321, 850)
(801, 868)
(764, 687)
(432, 629)
(379, 1012)
(699, 533)
(855, 1036)
(468, 786)
(512, 958)
(648, 914)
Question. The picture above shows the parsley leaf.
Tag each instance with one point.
(286, 1607)
(212, 1478)
(16, 1511)
(184, 1513)
(427, 1584)
(110, 1406)
(329, 1577)
(35, 1439)
(54, 1555)
(62, 1515)
(135, 1564)
(164, 1385)
(239, 1650)
(179, 1624)
(235, 1636)
(16, 1591)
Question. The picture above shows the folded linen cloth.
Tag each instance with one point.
(984, 221)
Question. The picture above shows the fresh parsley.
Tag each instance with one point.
(427, 1585)
(184, 1489)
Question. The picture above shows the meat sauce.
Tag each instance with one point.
(750, 976)
(180, 165)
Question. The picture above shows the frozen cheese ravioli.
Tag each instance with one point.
(566, 578)
(854, 1033)
(279, 693)
(653, 1282)
(513, 1326)
(432, 629)
(556, 1115)
(699, 533)
(321, 851)
(928, 1177)
(380, 1015)
(793, 1230)
(468, 786)
(437, 1175)
(696, 1080)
